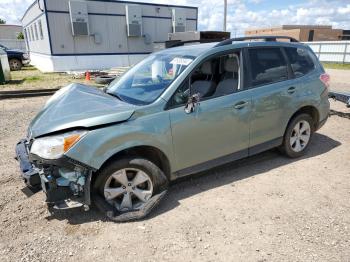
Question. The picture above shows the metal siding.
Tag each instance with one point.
(109, 21)
(149, 11)
(191, 25)
(32, 13)
(117, 34)
(191, 13)
(61, 5)
(150, 27)
(31, 17)
(61, 33)
(163, 28)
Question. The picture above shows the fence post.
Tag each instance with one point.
(345, 51)
(319, 50)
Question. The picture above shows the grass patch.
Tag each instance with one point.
(33, 78)
(336, 66)
(28, 68)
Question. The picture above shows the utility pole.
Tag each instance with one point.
(225, 15)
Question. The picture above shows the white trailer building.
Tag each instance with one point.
(65, 35)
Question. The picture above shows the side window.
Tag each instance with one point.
(267, 66)
(215, 77)
(300, 61)
(181, 95)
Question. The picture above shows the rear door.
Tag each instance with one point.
(273, 92)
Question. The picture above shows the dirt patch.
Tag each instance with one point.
(264, 208)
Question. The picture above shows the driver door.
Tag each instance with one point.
(217, 131)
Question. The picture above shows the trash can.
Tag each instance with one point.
(5, 74)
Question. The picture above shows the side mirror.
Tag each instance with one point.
(192, 102)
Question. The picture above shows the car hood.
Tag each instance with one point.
(79, 106)
(14, 51)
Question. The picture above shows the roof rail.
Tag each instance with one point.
(176, 43)
(272, 38)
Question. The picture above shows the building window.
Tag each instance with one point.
(32, 32)
(36, 32)
(25, 34)
(29, 34)
(40, 30)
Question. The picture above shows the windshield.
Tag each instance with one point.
(146, 81)
(3, 47)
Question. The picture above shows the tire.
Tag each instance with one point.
(296, 143)
(15, 64)
(104, 80)
(118, 187)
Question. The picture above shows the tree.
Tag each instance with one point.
(20, 35)
(2, 21)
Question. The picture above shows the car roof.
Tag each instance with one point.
(189, 50)
(199, 49)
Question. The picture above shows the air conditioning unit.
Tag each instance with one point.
(179, 20)
(79, 17)
(134, 20)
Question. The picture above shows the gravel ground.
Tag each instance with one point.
(264, 208)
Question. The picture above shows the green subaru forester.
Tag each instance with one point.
(177, 112)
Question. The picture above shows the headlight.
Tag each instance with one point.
(25, 56)
(53, 147)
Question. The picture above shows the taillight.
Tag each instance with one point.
(325, 78)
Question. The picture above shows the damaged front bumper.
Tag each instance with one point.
(66, 182)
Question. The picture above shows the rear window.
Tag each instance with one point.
(300, 61)
(267, 66)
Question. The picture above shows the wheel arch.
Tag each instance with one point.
(310, 110)
(151, 153)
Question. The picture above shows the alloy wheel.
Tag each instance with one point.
(300, 136)
(128, 189)
(14, 65)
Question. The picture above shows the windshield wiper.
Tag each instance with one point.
(115, 95)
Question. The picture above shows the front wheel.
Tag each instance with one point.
(298, 136)
(130, 187)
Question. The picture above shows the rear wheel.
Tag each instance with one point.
(298, 136)
(15, 64)
(128, 186)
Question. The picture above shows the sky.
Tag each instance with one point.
(242, 14)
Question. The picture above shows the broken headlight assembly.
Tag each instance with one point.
(53, 147)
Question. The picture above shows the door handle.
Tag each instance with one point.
(240, 105)
(291, 90)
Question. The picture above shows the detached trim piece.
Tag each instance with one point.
(340, 96)
(29, 174)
